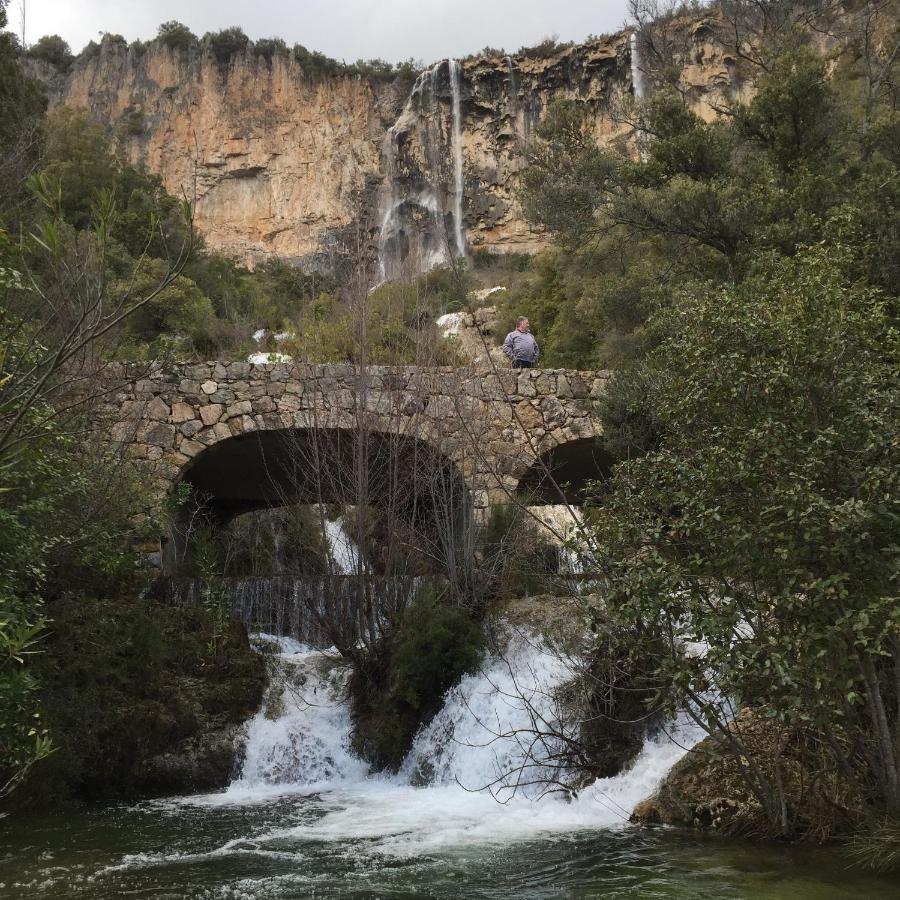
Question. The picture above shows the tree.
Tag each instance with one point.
(176, 36)
(226, 43)
(52, 49)
(764, 527)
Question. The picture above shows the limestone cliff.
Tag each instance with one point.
(285, 163)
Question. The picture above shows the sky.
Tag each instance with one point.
(424, 30)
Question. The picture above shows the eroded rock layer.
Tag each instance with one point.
(284, 163)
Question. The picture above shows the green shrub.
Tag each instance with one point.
(877, 846)
(52, 49)
(176, 36)
(269, 48)
(438, 645)
(226, 43)
(433, 648)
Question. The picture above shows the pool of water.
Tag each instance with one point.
(341, 844)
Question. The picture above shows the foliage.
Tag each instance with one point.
(21, 99)
(877, 846)
(393, 325)
(226, 43)
(707, 199)
(63, 520)
(269, 48)
(401, 688)
(437, 645)
(764, 526)
(126, 679)
(176, 36)
(52, 49)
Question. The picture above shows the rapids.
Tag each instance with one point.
(304, 819)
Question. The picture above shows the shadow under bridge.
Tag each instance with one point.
(408, 484)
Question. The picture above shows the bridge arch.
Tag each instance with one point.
(563, 473)
(404, 477)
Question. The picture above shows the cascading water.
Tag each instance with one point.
(343, 551)
(637, 71)
(301, 735)
(419, 194)
(480, 748)
(456, 145)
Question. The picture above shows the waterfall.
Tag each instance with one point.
(477, 739)
(301, 735)
(469, 756)
(456, 145)
(342, 550)
(417, 196)
(637, 71)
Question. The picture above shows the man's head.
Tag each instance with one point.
(522, 324)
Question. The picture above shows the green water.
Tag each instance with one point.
(281, 849)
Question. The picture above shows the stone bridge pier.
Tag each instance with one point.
(214, 425)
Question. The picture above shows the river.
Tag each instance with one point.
(468, 815)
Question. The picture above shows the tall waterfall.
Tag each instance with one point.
(424, 178)
(456, 145)
(637, 70)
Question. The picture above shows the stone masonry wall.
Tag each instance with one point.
(491, 425)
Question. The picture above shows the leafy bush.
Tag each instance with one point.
(126, 679)
(269, 48)
(438, 645)
(176, 36)
(226, 43)
(434, 647)
(52, 49)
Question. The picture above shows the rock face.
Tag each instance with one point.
(285, 163)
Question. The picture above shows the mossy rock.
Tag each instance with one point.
(706, 789)
(141, 699)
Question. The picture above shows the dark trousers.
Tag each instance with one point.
(522, 364)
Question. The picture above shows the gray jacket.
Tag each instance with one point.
(521, 345)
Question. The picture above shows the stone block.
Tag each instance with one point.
(525, 386)
(189, 429)
(212, 413)
(182, 412)
(122, 432)
(191, 448)
(157, 410)
(264, 404)
(580, 388)
(200, 372)
(209, 387)
(221, 431)
(160, 434)
(241, 408)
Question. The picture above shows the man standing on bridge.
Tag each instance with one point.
(520, 346)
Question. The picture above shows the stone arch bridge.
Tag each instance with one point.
(502, 431)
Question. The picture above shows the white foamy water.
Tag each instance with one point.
(456, 150)
(484, 746)
(343, 550)
(300, 737)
